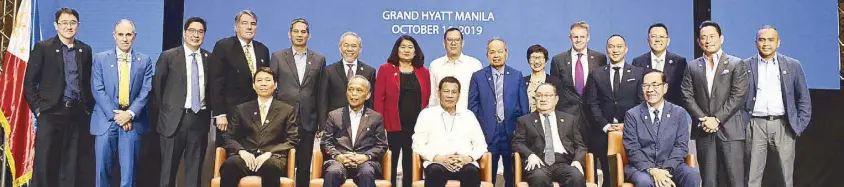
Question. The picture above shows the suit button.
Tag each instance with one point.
(754, 98)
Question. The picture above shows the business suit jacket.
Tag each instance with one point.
(795, 92)
(302, 96)
(601, 105)
(728, 92)
(674, 66)
(371, 138)
(550, 80)
(333, 87)
(529, 137)
(169, 89)
(561, 66)
(482, 100)
(388, 94)
(44, 84)
(231, 79)
(277, 134)
(646, 147)
(105, 81)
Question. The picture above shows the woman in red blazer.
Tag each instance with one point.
(401, 92)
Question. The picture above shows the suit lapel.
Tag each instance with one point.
(623, 83)
(59, 53)
(240, 54)
(538, 124)
(490, 78)
(647, 118)
(567, 69)
(340, 69)
(701, 68)
(722, 64)
(255, 121)
(664, 118)
(308, 66)
(272, 113)
(363, 125)
(754, 71)
(668, 66)
(136, 69)
(290, 60)
(347, 125)
(784, 77)
(593, 62)
(650, 61)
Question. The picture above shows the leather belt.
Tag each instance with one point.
(770, 118)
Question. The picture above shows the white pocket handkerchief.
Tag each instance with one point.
(628, 80)
(725, 71)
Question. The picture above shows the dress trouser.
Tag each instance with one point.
(190, 140)
(775, 137)
(64, 151)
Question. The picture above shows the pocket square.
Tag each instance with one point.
(725, 71)
(628, 80)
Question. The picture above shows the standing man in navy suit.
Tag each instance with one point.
(656, 137)
(660, 59)
(121, 82)
(779, 107)
(497, 97)
(610, 91)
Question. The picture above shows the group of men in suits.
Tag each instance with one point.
(736, 109)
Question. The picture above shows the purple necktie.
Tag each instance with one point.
(578, 75)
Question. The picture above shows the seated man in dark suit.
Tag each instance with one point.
(262, 133)
(656, 137)
(354, 139)
(560, 160)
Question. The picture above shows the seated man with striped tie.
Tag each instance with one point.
(550, 143)
(261, 134)
(656, 137)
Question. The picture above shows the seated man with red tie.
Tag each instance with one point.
(261, 134)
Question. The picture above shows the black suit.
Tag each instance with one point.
(182, 130)
(301, 93)
(673, 66)
(333, 87)
(550, 80)
(529, 138)
(370, 140)
(276, 134)
(601, 105)
(62, 141)
(231, 78)
(561, 68)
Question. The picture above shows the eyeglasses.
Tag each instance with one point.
(544, 96)
(653, 85)
(658, 37)
(453, 40)
(195, 31)
(68, 23)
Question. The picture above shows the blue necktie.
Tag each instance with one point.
(656, 121)
(194, 78)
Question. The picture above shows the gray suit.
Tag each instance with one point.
(721, 154)
(301, 93)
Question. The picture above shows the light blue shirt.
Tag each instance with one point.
(768, 89)
(301, 60)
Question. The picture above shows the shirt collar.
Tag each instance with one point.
(298, 53)
(574, 52)
(353, 113)
(243, 43)
(266, 103)
(496, 71)
(188, 51)
(120, 52)
(457, 111)
(551, 115)
(658, 107)
(662, 56)
(355, 62)
(459, 59)
(762, 60)
(716, 56)
(621, 65)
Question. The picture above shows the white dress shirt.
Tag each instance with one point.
(251, 53)
(355, 120)
(555, 135)
(658, 107)
(768, 89)
(710, 71)
(263, 110)
(301, 60)
(584, 61)
(656, 63)
(438, 132)
(462, 69)
(620, 73)
(128, 59)
(346, 66)
(188, 61)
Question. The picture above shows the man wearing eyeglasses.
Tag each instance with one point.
(182, 96)
(57, 85)
(656, 137)
(610, 91)
(659, 58)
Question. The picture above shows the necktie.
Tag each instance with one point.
(194, 83)
(616, 79)
(499, 97)
(351, 72)
(249, 60)
(658, 65)
(263, 112)
(656, 121)
(578, 75)
(123, 87)
(549, 141)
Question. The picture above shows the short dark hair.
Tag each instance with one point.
(67, 10)
(301, 20)
(547, 84)
(537, 49)
(265, 70)
(655, 25)
(445, 34)
(662, 74)
(449, 79)
(418, 58)
(712, 24)
(197, 20)
(614, 35)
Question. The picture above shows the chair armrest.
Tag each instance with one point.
(417, 167)
(517, 167)
(387, 164)
(691, 160)
(616, 170)
(316, 165)
(291, 164)
(589, 168)
(486, 167)
(218, 160)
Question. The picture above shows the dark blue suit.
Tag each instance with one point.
(109, 136)
(482, 102)
(663, 146)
